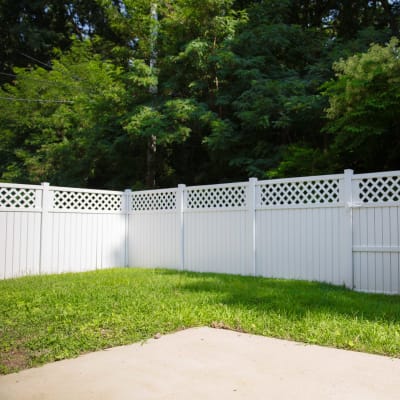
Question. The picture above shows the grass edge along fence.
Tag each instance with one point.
(342, 229)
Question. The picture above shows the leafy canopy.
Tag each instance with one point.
(363, 107)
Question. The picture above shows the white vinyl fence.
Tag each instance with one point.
(342, 229)
(46, 229)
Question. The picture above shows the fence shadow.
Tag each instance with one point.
(295, 299)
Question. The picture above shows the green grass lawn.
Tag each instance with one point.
(46, 318)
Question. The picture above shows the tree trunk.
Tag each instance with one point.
(152, 141)
(150, 180)
(394, 26)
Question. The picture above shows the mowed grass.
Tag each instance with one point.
(47, 318)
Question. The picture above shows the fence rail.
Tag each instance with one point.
(342, 229)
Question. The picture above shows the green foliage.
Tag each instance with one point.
(234, 90)
(66, 114)
(363, 108)
(301, 160)
(268, 93)
(169, 123)
(47, 318)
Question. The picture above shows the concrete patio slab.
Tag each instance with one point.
(206, 363)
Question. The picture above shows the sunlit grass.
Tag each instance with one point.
(53, 317)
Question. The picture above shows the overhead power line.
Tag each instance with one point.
(5, 74)
(35, 100)
(34, 79)
(36, 60)
(50, 67)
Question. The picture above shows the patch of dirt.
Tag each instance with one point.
(104, 332)
(13, 360)
(222, 325)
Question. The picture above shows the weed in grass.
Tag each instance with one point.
(46, 318)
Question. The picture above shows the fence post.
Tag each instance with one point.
(44, 226)
(180, 208)
(126, 208)
(251, 206)
(347, 199)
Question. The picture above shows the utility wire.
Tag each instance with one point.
(55, 84)
(35, 59)
(5, 74)
(35, 100)
(51, 67)
(34, 79)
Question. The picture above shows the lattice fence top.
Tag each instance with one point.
(216, 197)
(12, 197)
(154, 201)
(299, 192)
(371, 188)
(382, 189)
(86, 201)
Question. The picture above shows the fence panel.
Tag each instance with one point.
(19, 244)
(80, 242)
(376, 239)
(218, 242)
(85, 230)
(217, 229)
(154, 229)
(47, 229)
(300, 226)
(301, 243)
(20, 226)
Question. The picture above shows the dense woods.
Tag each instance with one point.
(152, 93)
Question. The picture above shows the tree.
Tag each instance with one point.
(363, 109)
(187, 82)
(238, 87)
(271, 77)
(62, 124)
(267, 90)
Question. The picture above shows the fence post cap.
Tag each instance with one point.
(45, 184)
(181, 185)
(127, 190)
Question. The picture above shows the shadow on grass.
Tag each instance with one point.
(289, 297)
